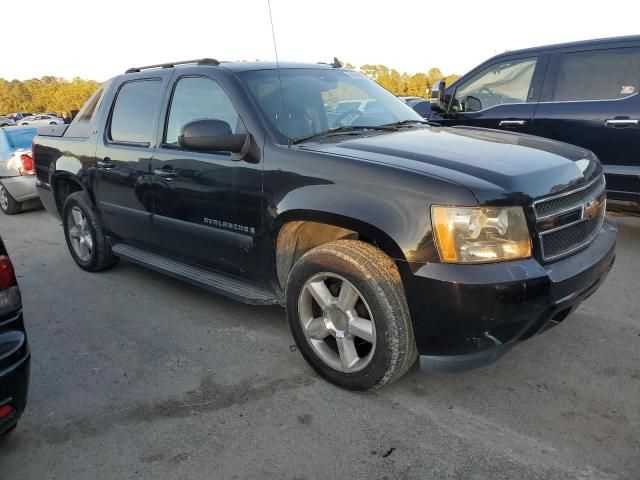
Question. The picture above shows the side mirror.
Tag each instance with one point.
(209, 135)
(473, 104)
(437, 96)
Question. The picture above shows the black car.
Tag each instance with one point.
(14, 349)
(384, 237)
(583, 93)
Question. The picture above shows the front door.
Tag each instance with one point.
(207, 205)
(124, 160)
(592, 99)
(502, 95)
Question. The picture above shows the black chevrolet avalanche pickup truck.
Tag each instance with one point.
(383, 236)
(585, 93)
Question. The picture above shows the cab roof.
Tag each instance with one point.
(581, 43)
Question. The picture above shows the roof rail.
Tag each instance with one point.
(202, 61)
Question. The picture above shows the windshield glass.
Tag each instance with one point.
(21, 138)
(317, 100)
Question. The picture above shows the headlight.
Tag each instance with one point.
(480, 234)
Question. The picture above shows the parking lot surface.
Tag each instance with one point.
(136, 375)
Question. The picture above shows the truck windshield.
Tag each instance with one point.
(319, 100)
(21, 139)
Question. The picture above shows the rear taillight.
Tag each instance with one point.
(26, 166)
(7, 274)
(5, 411)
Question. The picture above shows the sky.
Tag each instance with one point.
(97, 39)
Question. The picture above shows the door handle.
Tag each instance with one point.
(621, 121)
(511, 123)
(106, 163)
(166, 173)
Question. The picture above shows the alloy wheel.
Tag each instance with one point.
(80, 234)
(337, 322)
(4, 198)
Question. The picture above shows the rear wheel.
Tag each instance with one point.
(85, 236)
(8, 204)
(348, 315)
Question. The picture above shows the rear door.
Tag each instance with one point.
(501, 95)
(591, 99)
(207, 204)
(124, 155)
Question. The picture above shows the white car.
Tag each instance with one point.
(41, 120)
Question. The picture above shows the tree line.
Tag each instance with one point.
(46, 94)
(51, 94)
(406, 84)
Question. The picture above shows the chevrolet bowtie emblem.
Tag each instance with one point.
(592, 209)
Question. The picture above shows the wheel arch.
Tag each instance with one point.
(297, 231)
(64, 184)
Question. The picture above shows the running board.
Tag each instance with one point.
(227, 285)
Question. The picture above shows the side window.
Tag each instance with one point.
(196, 98)
(502, 83)
(83, 123)
(135, 111)
(598, 75)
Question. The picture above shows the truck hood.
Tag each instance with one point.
(496, 166)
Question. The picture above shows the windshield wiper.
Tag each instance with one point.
(345, 129)
(409, 122)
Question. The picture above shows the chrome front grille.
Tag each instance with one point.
(562, 203)
(571, 220)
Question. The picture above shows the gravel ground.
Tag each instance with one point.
(135, 375)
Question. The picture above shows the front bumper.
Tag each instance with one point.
(15, 361)
(467, 316)
(21, 188)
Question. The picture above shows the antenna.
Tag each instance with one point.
(275, 48)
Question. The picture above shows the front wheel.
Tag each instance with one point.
(85, 236)
(8, 204)
(348, 315)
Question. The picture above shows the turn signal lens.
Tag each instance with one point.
(480, 234)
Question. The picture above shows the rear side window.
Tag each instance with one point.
(135, 111)
(83, 124)
(598, 75)
(197, 98)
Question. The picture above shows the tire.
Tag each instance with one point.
(8, 204)
(87, 242)
(374, 279)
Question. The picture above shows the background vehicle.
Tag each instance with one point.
(17, 170)
(583, 93)
(41, 120)
(15, 356)
(380, 234)
(6, 121)
(19, 116)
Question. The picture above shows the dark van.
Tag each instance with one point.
(583, 93)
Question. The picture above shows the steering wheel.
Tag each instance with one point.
(486, 91)
(353, 111)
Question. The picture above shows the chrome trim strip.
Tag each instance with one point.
(547, 103)
(621, 121)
